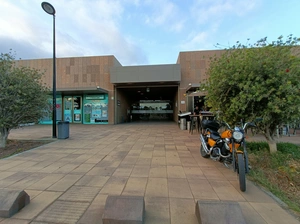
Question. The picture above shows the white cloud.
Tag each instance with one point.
(195, 41)
(82, 28)
(204, 11)
(165, 14)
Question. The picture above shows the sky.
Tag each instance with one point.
(141, 32)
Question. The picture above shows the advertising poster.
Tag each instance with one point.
(95, 109)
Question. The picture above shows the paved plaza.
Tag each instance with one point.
(69, 180)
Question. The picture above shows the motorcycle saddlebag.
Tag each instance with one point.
(211, 124)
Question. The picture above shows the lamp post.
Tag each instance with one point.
(48, 8)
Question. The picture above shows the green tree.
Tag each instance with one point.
(257, 80)
(23, 98)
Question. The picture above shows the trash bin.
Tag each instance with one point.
(182, 123)
(188, 125)
(63, 129)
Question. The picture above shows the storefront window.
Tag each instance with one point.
(47, 119)
(95, 109)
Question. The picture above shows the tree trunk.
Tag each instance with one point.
(271, 141)
(3, 137)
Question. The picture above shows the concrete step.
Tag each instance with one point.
(124, 209)
(12, 201)
(221, 212)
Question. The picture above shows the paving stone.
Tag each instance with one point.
(67, 168)
(12, 201)
(83, 168)
(38, 204)
(134, 152)
(143, 161)
(188, 161)
(140, 171)
(182, 211)
(157, 210)
(32, 193)
(92, 181)
(63, 212)
(124, 209)
(15, 221)
(4, 174)
(135, 186)
(146, 154)
(110, 161)
(23, 166)
(225, 191)
(102, 171)
(52, 167)
(158, 161)
(64, 183)
(201, 189)
(223, 212)
(46, 182)
(13, 179)
(253, 193)
(93, 215)
(129, 160)
(179, 188)
(173, 161)
(193, 173)
(77, 193)
(273, 213)
(250, 215)
(157, 187)
(158, 171)
(175, 172)
(213, 174)
(159, 152)
(10, 165)
(27, 181)
(114, 186)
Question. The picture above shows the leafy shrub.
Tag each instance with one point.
(257, 146)
(279, 172)
(289, 148)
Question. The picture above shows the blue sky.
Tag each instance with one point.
(141, 32)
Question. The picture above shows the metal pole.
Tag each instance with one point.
(54, 84)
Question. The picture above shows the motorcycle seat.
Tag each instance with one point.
(214, 134)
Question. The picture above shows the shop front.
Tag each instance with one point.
(47, 118)
(80, 109)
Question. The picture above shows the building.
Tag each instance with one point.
(99, 90)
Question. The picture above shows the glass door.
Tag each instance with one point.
(77, 114)
(73, 109)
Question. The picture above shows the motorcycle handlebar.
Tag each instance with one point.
(247, 124)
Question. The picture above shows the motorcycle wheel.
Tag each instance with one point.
(203, 153)
(246, 159)
(241, 171)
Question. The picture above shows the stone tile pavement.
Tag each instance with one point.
(69, 180)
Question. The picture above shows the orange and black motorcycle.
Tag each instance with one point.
(228, 147)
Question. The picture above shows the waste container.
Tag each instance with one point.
(188, 125)
(186, 117)
(182, 123)
(63, 129)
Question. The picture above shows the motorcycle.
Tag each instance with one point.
(229, 147)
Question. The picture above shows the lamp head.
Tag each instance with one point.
(48, 8)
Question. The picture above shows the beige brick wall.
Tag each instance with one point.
(72, 73)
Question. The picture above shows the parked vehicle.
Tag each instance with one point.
(228, 147)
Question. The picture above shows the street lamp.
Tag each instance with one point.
(48, 8)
